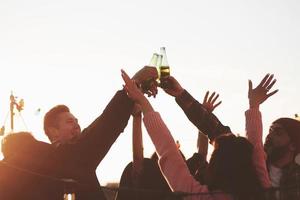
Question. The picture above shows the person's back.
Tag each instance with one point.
(150, 183)
(23, 158)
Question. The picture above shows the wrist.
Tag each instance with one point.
(253, 105)
(146, 107)
(137, 115)
(179, 93)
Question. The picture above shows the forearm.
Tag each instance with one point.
(202, 144)
(205, 121)
(98, 137)
(146, 106)
(171, 162)
(137, 139)
(254, 135)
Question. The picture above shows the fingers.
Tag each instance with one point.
(263, 80)
(151, 72)
(214, 99)
(205, 97)
(211, 99)
(250, 85)
(265, 85)
(130, 84)
(272, 93)
(125, 76)
(211, 96)
(148, 83)
(217, 104)
(271, 85)
(127, 90)
(153, 88)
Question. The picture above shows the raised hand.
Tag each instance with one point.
(173, 87)
(135, 94)
(209, 102)
(131, 88)
(146, 79)
(261, 93)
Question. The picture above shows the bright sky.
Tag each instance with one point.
(71, 52)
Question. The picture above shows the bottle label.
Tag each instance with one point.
(164, 71)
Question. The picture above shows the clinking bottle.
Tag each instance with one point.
(164, 68)
(153, 63)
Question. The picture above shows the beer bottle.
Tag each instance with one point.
(164, 68)
(147, 84)
(158, 65)
(153, 60)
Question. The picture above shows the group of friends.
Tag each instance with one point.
(239, 168)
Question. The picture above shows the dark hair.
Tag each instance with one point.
(231, 168)
(292, 127)
(50, 119)
(14, 141)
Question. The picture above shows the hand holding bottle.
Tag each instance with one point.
(142, 78)
(135, 94)
(174, 88)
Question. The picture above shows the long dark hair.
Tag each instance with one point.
(231, 168)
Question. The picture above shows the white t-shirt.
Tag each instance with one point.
(275, 176)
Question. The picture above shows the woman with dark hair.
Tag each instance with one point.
(234, 169)
(231, 167)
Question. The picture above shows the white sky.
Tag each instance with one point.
(71, 52)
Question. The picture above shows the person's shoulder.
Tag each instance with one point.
(22, 142)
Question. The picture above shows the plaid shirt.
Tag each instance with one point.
(205, 121)
(209, 124)
(290, 183)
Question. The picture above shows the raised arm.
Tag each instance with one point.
(96, 140)
(254, 125)
(137, 140)
(197, 164)
(205, 121)
(171, 162)
(209, 103)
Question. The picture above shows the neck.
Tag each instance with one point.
(284, 161)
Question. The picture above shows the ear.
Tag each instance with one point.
(53, 133)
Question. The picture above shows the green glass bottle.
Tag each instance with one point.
(158, 65)
(153, 60)
(146, 85)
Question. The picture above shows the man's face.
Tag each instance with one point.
(278, 143)
(67, 127)
(278, 135)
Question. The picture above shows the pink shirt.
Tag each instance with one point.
(174, 167)
(172, 164)
(254, 134)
